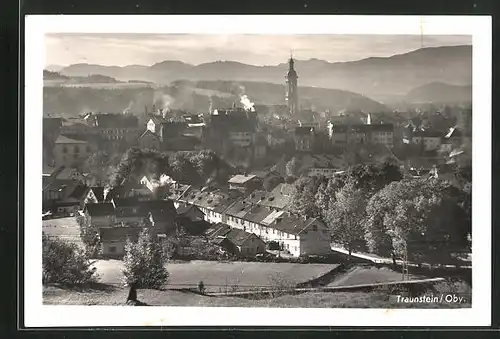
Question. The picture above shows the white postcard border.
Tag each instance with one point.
(39, 315)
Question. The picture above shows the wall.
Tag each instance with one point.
(314, 242)
(107, 248)
(102, 221)
(72, 155)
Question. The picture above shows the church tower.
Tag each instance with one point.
(291, 89)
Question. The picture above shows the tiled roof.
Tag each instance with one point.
(428, 134)
(119, 233)
(304, 130)
(255, 197)
(238, 236)
(291, 224)
(79, 192)
(217, 230)
(98, 192)
(280, 197)
(184, 208)
(239, 209)
(66, 173)
(241, 179)
(65, 140)
(148, 132)
(257, 214)
(100, 209)
(116, 121)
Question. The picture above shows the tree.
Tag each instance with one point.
(304, 192)
(293, 167)
(65, 263)
(144, 262)
(271, 182)
(423, 217)
(89, 236)
(345, 217)
(183, 170)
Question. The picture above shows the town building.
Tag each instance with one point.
(304, 138)
(244, 183)
(71, 152)
(429, 139)
(100, 215)
(116, 130)
(113, 240)
(236, 241)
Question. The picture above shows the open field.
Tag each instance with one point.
(116, 296)
(368, 275)
(219, 276)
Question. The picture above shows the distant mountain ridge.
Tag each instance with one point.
(395, 75)
(438, 92)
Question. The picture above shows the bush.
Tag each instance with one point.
(144, 262)
(65, 263)
(453, 287)
(89, 236)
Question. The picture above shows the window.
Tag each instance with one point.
(112, 249)
(76, 149)
(65, 149)
(315, 228)
(75, 156)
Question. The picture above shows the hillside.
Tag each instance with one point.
(52, 77)
(395, 75)
(190, 96)
(438, 92)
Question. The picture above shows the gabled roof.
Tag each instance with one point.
(98, 192)
(148, 132)
(217, 230)
(65, 140)
(280, 197)
(119, 233)
(79, 192)
(66, 173)
(238, 236)
(292, 224)
(257, 214)
(239, 209)
(100, 209)
(255, 197)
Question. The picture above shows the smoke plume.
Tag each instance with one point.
(127, 110)
(247, 104)
(163, 101)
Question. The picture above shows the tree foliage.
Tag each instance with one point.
(144, 262)
(304, 192)
(345, 217)
(137, 162)
(271, 182)
(292, 167)
(65, 263)
(89, 236)
(421, 216)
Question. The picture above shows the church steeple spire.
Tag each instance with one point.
(291, 82)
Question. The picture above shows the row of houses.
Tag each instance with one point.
(264, 214)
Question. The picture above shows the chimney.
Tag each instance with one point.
(154, 108)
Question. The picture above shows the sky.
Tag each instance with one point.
(64, 49)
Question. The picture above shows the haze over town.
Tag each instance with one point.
(187, 169)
